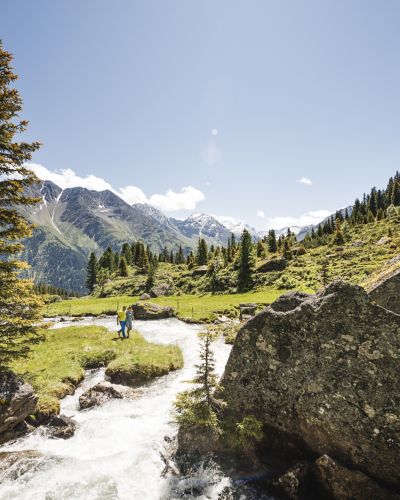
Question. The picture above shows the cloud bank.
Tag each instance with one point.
(186, 199)
(312, 217)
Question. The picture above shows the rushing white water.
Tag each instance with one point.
(116, 450)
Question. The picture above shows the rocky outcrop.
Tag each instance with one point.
(17, 401)
(332, 481)
(103, 392)
(145, 296)
(161, 290)
(386, 291)
(61, 427)
(321, 372)
(148, 310)
(278, 264)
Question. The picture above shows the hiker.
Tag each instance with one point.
(121, 321)
(129, 319)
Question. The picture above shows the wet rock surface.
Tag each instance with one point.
(17, 401)
(61, 427)
(103, 392)
(147, 310)
(321, 373)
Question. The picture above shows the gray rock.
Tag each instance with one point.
(160, 290)
(17, 401)
(339, 483)
(278, 264)
(145, 296)
(323, 377)
(383, 241)
(386, 291)
(148, 310)
(200, 270)
(101, 393)
(61, 427)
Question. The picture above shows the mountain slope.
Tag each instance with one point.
(73, 222)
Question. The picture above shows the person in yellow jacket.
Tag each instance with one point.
(121, 321)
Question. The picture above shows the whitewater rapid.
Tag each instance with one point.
(116, 452)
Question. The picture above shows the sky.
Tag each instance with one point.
(275, 112)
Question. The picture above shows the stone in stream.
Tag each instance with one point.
(149, 310)
(321, 372)
(17, 402)
(103, 392)
(61, 427)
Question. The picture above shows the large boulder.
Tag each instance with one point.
(147, 310)
(17, 401)
(321, 372)
(161, 290)
(335, 482)
(386, 291)
(278, 264)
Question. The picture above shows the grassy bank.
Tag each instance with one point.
(58, 364)
(190, 307)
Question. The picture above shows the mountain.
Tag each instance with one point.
(71, 223)
(303, 231)
(236, 226)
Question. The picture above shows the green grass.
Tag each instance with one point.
(355, 264)
(190, 307)
(56, 365)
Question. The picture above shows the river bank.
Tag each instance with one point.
(117, 450)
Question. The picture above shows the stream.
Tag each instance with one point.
(116, 452)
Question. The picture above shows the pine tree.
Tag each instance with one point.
(20, 307)
(106, 261)
(202, 252)
(395, 200)
(91, 272)
(286, 249)
(271, 241)
(179, 256)
(324, 272)
(338, 238)
(246, 262)
(126, 252)
(151, 276)
(123, 267)
(260, 250)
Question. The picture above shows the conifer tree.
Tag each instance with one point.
(395, 199)
(338, 238)
(123, 267)
(20, 307)
(202, 252)
(126, 252)
(151, 276)
(179, 256)
(260, 250)
(91, 272)
(106, 261)
(246, 262)
(271, 241)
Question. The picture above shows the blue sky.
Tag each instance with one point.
(236, 101)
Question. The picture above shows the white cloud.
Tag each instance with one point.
(260, 213)
(305, 180)
(312, 217)
(214, 131)
(67, 178)
(186, 199)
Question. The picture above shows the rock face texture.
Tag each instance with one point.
(273, 265)
(386, 292)
(161, 290)
(103, 392)
(17, 401)
(322, 374)
(61, 427)
(148, 310)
